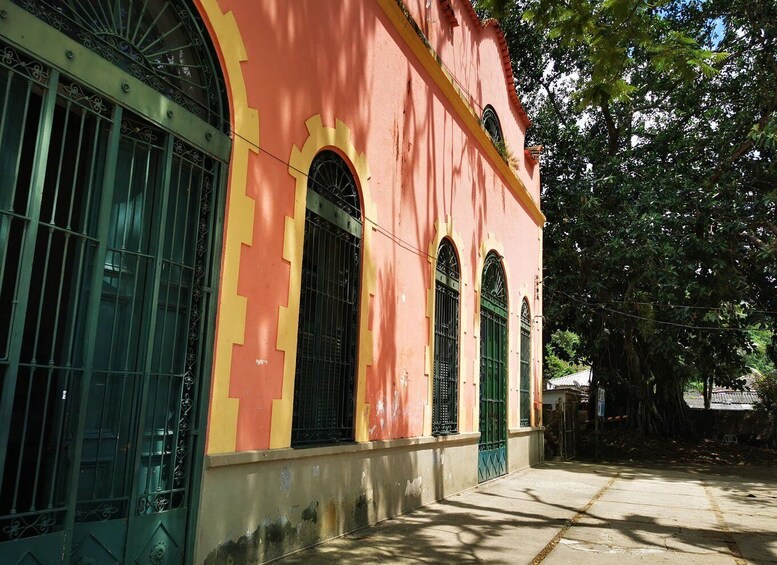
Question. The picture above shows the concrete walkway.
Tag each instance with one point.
(582, 513)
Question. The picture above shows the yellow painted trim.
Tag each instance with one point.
(238, 230)
(321, 137)
(442, 228)
(491, 243)
(407, 28)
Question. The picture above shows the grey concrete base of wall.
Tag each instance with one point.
(256, 506)
(525, 447)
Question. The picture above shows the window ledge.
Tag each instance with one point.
(517, 432)
(288, 453)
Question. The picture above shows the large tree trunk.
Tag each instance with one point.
(676, 414)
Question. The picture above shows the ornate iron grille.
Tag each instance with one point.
(492, 448)
(47, 224)
(493, 286)
(105, 257)
(491, 124)
(445, 396)
(525, 384)
(329, 302)
(163, 44)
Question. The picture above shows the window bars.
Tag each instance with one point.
(525, 377)
(324, 385)
(491, 124)
(446, 342)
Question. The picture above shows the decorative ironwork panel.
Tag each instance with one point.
(163, 44)
(493, 286)
(447, 261)
(445, 393)
(491, 124)
(525, 379)
(329, 302)
(330, 177)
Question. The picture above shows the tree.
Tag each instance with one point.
(562, 355)
(659, 172)
(766, 387)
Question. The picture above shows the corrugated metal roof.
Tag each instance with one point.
(724, 399)
(580, 379)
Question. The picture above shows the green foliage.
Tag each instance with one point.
(659, 185)
(758, 358)
(766, 387)
(563, 355)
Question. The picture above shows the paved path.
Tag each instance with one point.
(582, 513)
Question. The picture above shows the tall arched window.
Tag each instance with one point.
(113, 155)
(525, 380)
(491, 124)
(329, 303)
(492, 448)
(445, 395)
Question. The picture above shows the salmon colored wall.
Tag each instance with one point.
(344, 60)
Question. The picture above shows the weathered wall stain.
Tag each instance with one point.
(310, 514)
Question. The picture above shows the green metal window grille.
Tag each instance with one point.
(491, 124)
(106, 266)
(492, 448)
(525, 380)
(163, 44)
(329, 304)
(445, 393)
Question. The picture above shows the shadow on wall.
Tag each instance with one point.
(302, 61)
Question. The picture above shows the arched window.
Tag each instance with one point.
(162, 44)
(329, 304)
(113, 155)
(492, 448)
(525, 379)
(491, 124)
(445, 394)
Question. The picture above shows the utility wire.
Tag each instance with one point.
(666, 305)
(593, 306)
(384, 231)
(600, 307)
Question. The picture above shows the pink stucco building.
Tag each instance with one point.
(364, 308)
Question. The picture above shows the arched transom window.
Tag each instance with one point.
(162, 44)
(491, 124)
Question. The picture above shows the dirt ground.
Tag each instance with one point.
(627, 446)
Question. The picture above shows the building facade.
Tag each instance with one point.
(270, 273)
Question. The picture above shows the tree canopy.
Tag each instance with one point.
(659, 184)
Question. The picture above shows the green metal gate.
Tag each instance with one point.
(106, 237)
(492, 448)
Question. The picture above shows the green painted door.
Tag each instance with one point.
(492, 448)
(106, 232)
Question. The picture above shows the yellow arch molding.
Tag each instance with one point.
(443, 228)
(321, 137)
(491, 243)
(222, 424)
